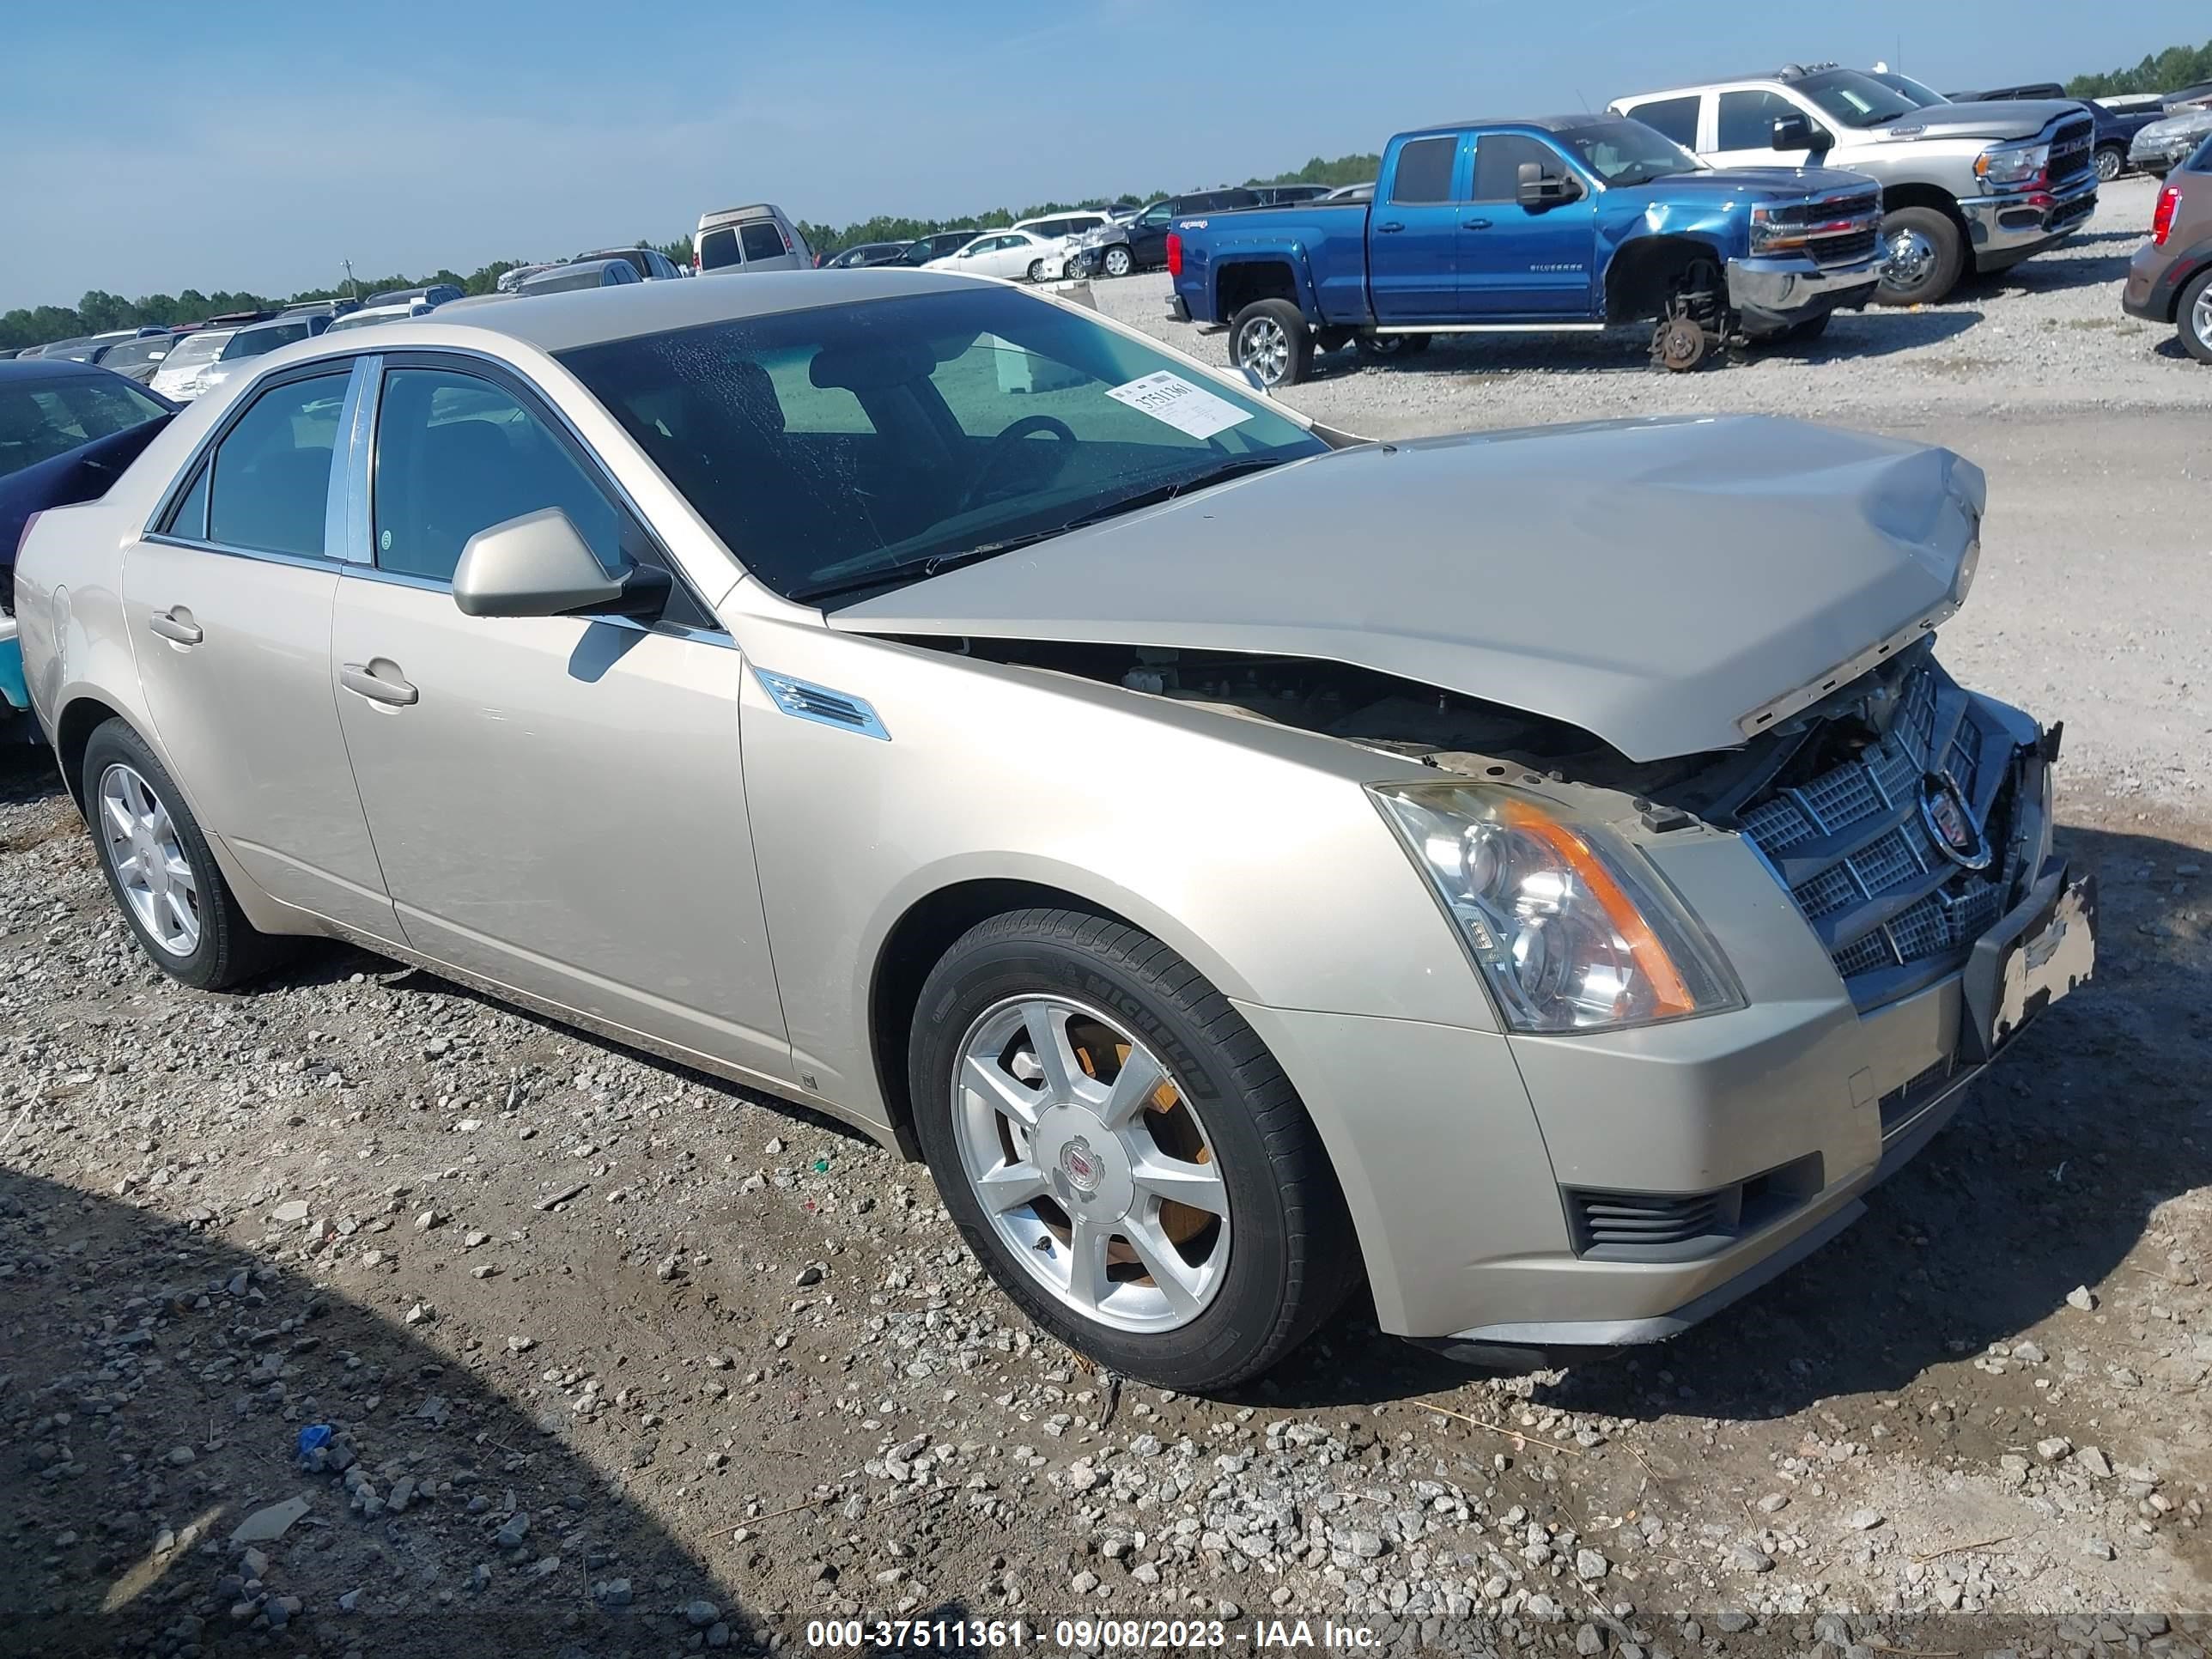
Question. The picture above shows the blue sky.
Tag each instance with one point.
(257, 146)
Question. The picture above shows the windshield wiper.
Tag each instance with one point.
(936, 564)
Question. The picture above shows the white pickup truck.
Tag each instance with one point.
(1975, 186)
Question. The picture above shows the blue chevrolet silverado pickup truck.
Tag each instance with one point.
(1560, 223)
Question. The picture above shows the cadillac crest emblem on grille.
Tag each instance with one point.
(1951, 822)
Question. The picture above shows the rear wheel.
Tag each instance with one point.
(1270, 337)
(160, 870)
(1037, 271)
(1121, 1153)
(2194, 316)
(1926, 253)
(1119, 262)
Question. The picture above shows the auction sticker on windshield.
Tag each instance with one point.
(1168, 397)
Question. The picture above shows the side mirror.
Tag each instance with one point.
(1793, 133)
(536, 565)
(1539, 188)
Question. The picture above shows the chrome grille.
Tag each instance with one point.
(2070, 151)
(1854, 837)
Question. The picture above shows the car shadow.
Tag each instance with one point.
(159, 1379)
(2046, 1181)
(1876, 332)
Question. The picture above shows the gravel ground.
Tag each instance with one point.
(619, 1361)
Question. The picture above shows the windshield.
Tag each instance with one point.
(1855, 99)
(1627, 152)
(844, 447)
(254, 341)
(196, 348)
(1918, 95)
(40, 419)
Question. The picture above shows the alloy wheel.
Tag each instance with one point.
(148, 856)
(2200, 315)
(1091, 1163)
(1117, 262)
(1264, 348)
(2109, 165)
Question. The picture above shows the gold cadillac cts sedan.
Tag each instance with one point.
(1546, 876)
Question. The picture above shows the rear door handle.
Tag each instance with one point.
(363, 681)
(176, 625)
(1390, 227)
(1475, 224)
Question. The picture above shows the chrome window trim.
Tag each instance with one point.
(369, 573)
(366, 395)
(297, 560)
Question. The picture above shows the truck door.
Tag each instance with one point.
(1413, 237)
(1743, 131)
(1525, 264)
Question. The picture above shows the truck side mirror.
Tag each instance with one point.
(1540, 188)
(1793, 133)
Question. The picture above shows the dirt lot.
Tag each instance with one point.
(620, 1361)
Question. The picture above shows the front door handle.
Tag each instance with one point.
(1390, 227)
(363, 681)
(176, 625)
(1475, 224)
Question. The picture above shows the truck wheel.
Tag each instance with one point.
(2111, 163)
(2194, 316)
(1926, 253)
(1118, 262)
(1271, 338)
(1122, 1154)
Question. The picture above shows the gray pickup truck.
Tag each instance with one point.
(1976, 186)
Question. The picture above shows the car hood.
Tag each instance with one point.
(2188, 124)
(1759, 184)
(2004, 118)
(1655, 582)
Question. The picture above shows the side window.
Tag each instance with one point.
(270, 483)
(763, 241)
(188, 518)
(1675, 117)
(1424, 170)
(1499, 158)
(456, 455)
(1747, 119)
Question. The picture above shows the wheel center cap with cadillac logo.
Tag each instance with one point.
(1081, 1166)
(1951, 822)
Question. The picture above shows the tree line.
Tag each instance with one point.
(2165, 71)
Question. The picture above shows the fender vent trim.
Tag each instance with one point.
(821, 705)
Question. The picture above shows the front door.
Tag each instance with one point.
(557, 802)
(229, 602)
(1531, 264)
(1743, 131)
(1413, 237)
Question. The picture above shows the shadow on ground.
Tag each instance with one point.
(2042, 1183)
(158, 1379)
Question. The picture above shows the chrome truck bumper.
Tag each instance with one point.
(2005, 229)
(1774, 293)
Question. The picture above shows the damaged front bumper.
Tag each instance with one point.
(1775, 293)
(2006, 227)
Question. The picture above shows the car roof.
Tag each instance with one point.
(581, 316)
(291, 321)
(52, 369)
(1541, 123)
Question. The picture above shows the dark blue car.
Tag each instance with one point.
(67, 431)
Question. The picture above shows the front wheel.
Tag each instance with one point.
(160, 870)
(1119, 262)
(1121, 1153)
(2111, 163)
(1270, 338)
(1926, 252)
(2194, 317)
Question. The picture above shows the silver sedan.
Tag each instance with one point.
(1242, 861)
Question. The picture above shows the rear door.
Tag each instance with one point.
(1521, 263)
(229, 601)
(719, 251)
(1413, 237)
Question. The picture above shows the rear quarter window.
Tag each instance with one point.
(763, 241)
(1675, 117)
(1424, 170)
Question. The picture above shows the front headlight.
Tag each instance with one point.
(1767, 236)
(1570, 925)
(2016, 164)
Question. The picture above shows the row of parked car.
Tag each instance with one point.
(1729, 212)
